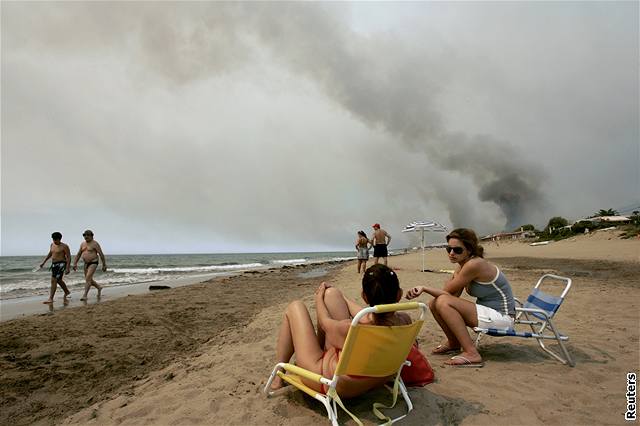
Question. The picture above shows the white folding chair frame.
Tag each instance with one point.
(541, 319)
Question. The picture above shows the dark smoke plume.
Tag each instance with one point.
(393, 91)
(386, 83)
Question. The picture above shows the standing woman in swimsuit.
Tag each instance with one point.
(494, 307)
(319, 352)
(90, 250)
(362, 246)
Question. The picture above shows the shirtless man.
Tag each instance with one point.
(60, 260)
(89, 251)
(380, 241)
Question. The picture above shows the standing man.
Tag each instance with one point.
(380, 241)
(60, 260)
(89, 251)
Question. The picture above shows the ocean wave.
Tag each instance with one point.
(19, 269)
(289, 261)
(332, 259)
(31, 285)
(156, 270)
(39, 286)
(342, 259)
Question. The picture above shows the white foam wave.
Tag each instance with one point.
(289, 261)
(186, 269)
(332, 259)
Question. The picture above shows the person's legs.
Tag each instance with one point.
(336, 304)
(63, 285)
(94, 283)
(298, 335)
(52, 290)
(457, 314)
(359, 264)
(384, 259)
(375, 261)
(364, 266)
(452, 341)
(89, 270)
(337, 307)
(98, 286)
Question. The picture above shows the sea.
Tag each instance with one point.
(19, 276)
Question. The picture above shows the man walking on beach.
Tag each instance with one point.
(89, 251)
(380, 241)
(60, 260)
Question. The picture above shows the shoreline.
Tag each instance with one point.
(18, 307)
(18, 280)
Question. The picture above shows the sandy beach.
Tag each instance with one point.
(200, 354)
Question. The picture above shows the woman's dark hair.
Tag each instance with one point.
(380, 285)
(56, 236)
(362, 234)
(469, 239)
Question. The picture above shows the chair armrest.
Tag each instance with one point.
(533, 311)
(304, 373)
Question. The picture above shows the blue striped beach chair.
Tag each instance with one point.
(537, 312)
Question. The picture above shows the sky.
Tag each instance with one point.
(204, 127)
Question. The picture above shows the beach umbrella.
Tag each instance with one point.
(422, 227)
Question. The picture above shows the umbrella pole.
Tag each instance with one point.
(422, 243)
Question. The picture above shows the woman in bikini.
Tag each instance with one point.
(319, 352)
(494, 307)
(362, 246)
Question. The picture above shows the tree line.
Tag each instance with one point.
(559, 228)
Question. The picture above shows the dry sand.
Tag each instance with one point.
(200, 354)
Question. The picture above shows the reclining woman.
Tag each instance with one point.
(320, 352)
(494, 307)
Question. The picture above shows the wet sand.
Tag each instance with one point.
(199, 354)
(32, 305)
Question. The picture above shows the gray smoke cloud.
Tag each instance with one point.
(394, 91)
(165, 66)
(385, 87)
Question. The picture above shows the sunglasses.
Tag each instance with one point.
(456, 250)
(87, 235)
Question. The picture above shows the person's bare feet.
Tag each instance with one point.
(277, 383)
(83, 298)
(48, 302)
(67, 295)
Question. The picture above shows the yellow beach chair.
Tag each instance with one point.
(369, 350)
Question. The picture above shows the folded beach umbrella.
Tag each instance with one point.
(422, 227)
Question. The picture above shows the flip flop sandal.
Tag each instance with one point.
(444, 350)
(465, 363)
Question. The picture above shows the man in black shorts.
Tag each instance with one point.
(90, 251)
(380, 241)
(60, 264)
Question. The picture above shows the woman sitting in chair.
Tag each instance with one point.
(494, 307)
(320, 352)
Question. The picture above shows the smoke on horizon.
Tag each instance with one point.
(178, 96)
